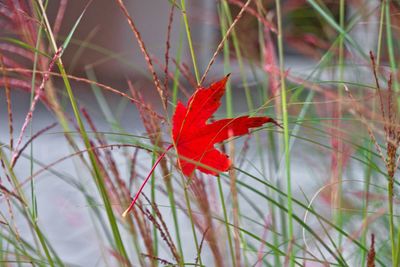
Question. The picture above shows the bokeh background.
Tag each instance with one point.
(59, 184)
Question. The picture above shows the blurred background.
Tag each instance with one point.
(104, 51)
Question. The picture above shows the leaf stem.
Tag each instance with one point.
(145, 181)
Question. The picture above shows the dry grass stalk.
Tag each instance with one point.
(152, 125)
(271, 66)
(33, 137)
(167, 49)
(390, 125)
(162, 228)
(153, 128)
(162, 261)
(156, 80)
(201, 246)
(171, 76)
(389, 109)
(26, 23)
(197, 186)
(366, 123)
(243, 152)
(144, 228)
(186, 73)
(8, 101)
(222, 42)
(7, 195)
(267, 24)
(132, 171)
(120, 187)
(235, 204)
(38, 95)
(59, 16)
(261, 253)
(111, 189)
(16, 83)
(371, 253)
(76, 153)
(87, 81)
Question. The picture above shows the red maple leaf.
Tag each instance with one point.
(194, 138)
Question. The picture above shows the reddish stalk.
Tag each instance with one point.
(201, 245)
(16, 84)
(205, 219)
(171, 76)
(186, 73)
(8, 100)
(79, 79)
(163, 229)
(39, 92)
(31, 140)
(235, 203)
(59, 17)
(267, 24)
(371, 253)
(16, 50)
(54, 163)
(146, 54)
(145, 181)
(221, 44)
(160, 260)
(167, 43)
(260, 253)
(270, 64)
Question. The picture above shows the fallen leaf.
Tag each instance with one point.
(194, 138)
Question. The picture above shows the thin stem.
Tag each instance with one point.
(397, 256)
(189, 38)
(389, 40)
(145, 181)
(171, 198)
(338, 173)
(272, 156)
(285, 129)
(226, 35)
(236, 46)
(368, 172)
(391, 221)
(369, 154)
(226, 221)
(227, 66)
(96, 169)
(392, 60)
(156, 80)
(33, 82)
(153, 200)
(380, 33)
(178, 60)
(25, 208)
(190, 214)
